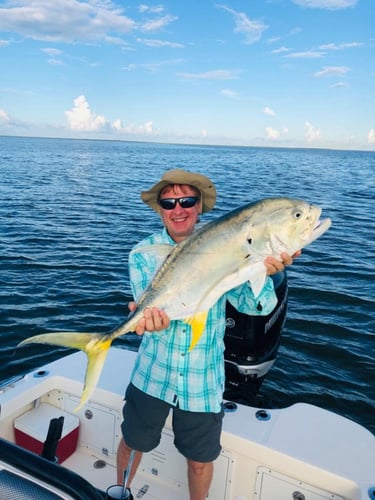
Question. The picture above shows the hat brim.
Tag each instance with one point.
(179, 176)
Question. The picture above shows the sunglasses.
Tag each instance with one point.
(184, 202)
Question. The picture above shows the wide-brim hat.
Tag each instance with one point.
(179, 176)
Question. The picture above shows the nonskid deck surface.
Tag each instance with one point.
(298, 450)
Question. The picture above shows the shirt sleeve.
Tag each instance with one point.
(242, 298)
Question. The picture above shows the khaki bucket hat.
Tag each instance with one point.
(179, 176)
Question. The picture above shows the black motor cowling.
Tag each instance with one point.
(251, 345)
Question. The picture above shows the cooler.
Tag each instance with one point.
(31, 430)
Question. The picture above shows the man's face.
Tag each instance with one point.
(180, 222)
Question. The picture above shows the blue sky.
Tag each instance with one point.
(280, 73)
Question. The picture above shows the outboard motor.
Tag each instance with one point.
(251, 345)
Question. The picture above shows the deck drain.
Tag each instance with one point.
(100, 464)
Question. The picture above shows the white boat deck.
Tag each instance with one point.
(302, 450)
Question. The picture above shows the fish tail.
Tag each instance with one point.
(95, 345)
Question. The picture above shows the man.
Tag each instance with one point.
(166, 375)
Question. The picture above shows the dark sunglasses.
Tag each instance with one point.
(184, 202)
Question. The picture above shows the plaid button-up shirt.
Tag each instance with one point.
(164, 367)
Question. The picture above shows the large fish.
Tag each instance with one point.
(193, 274)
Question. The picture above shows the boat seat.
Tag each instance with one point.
(50, 473)
(15, 486)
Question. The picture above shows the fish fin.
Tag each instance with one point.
(95, 345)
(257, 281)
(96, 357)
(197, 323)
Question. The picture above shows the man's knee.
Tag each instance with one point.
(199, 468)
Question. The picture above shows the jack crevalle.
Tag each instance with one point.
(217, 257)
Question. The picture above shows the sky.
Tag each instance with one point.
(268, 73)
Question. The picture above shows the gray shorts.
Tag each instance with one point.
(196, 434)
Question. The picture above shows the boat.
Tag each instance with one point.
(49, 450)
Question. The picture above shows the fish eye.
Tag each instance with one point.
(297, 214)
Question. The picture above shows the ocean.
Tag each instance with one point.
(70, 212)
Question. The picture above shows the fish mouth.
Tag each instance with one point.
(320, 227)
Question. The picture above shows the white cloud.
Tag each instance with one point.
(218, 74)
(232, 94)
(308, 54)
(4, 117)
(81, 117)
(268, 111)
(159, 43)
(338, 85)
(158, 24)
(371, 136)
(252, 30)
(274, 134)
(280, 50)
(65, 21)
(332, 71)
(153, 66)
(326, 4)
(311, 133)
(52, 52)
(4, 43)
(148, 8)
(145, 129)
(341, 46)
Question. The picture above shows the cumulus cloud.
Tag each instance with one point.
(371, 136)
(251, 29)
(273, 134)
(326, 4)
(311, 133)
(145, 129)
(11, 125)
(268, 111)
(82, 119)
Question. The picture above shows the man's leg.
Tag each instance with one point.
(123, 455)
(143, 420)
(199, 477)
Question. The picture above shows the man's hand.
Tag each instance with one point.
(153, 320)
(275, 266)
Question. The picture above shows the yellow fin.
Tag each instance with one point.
(197, 323)
(96, 356)
(95, 345)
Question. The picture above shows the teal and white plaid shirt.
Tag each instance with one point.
(164, 368)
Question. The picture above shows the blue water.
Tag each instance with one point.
(70, 212)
